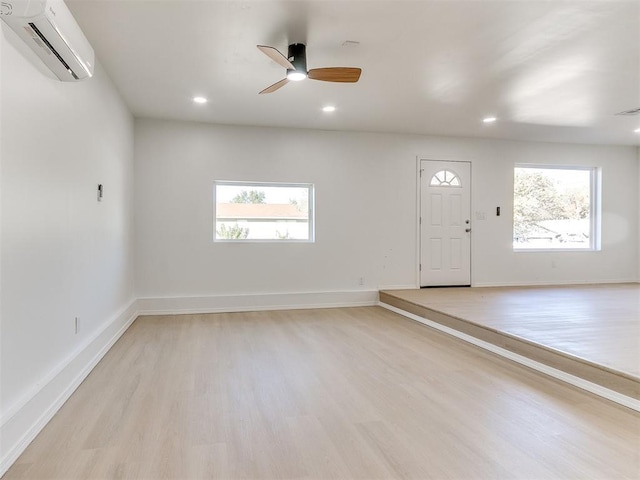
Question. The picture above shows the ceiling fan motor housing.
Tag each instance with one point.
(297, 55)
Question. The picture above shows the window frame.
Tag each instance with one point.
(595, 209)
(255, 185)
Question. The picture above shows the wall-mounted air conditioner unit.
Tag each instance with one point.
(48, 27)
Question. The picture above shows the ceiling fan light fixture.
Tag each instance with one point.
(199, 100)
(489, 119)
(296, 76)
(296, 64)
(329, 108)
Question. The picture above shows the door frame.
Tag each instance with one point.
(419, 212)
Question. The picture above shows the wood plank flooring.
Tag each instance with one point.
(599, 323)
(336, 393)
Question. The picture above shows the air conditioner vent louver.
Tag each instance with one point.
(53, 50)
(635, 111)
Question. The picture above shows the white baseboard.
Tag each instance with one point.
(23, 420)
(413, 286)
(255, 302)
(540, 367)
(549, 283)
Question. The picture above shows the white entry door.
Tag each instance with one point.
(445, 223)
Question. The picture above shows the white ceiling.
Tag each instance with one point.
(549, 70)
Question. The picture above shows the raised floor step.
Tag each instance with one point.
(616, 381)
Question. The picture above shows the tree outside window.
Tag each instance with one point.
(553, 208)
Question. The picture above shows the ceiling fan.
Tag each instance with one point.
(296, 65)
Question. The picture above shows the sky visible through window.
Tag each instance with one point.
(277, 195)
(566, 178)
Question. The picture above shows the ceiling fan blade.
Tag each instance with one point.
(275, 86)
(335, 74)
(275, 55)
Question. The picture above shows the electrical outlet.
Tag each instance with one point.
(361, 281)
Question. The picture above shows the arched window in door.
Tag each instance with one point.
(445, 178)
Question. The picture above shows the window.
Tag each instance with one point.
(263, 212)
(554, 208)
(445, 178)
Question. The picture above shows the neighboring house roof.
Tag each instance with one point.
(259, 211)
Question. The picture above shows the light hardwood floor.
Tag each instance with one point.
(335, 393)
(599, 323)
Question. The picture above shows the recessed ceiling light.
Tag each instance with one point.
(199, 100)
(489, 119)
(637, 130)
(329, 108)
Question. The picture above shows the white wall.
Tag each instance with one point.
(63, 254)
(357, 229)
(497, 264)
(365, 210)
